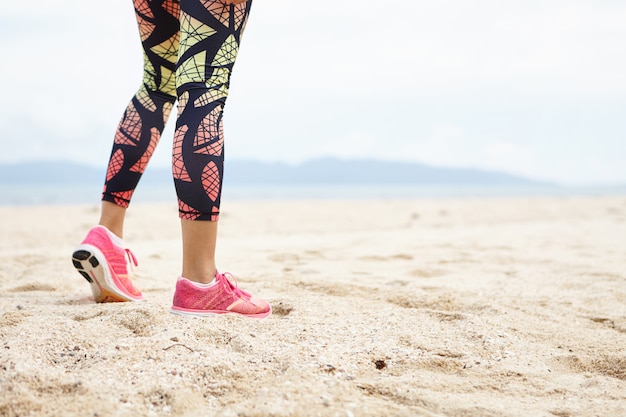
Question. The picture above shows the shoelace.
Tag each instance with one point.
(132, 260)
(229, 278)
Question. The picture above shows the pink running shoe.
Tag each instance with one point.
(106, 266)
(222, 297)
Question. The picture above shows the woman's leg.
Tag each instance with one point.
(112, 217)
(102, 258)
(210, 36)
(144, 119)
(199, 240)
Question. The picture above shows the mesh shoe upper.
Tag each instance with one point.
(119, 260)
(222, 298)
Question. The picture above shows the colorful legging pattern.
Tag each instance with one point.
(190, 47)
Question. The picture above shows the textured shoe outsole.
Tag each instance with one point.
(214, 313)
(92, 265)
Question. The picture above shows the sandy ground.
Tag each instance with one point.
(490, 307)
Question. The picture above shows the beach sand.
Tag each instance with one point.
(468, 307)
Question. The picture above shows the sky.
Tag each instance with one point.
(535, 88)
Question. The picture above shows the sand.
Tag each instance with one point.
(469, 307)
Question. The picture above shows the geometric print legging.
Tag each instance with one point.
(190, 47)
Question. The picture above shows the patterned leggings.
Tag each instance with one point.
(190, 47)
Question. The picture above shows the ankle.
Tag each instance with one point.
(112, 217)
(201, 275)
(201, 284)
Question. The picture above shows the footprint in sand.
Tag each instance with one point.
(610, 323)
(281, 309)
(33, 287)
(439, 303)
(89, 315)
(607, 365)
(427, 273)
(141, 322)
(443, 308)
(12, 318)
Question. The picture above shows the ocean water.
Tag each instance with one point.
(55, 194)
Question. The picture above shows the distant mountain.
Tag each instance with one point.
(363, 171)
(317, 171)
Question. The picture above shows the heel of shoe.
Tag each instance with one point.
(80, 256)
(86, 263)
